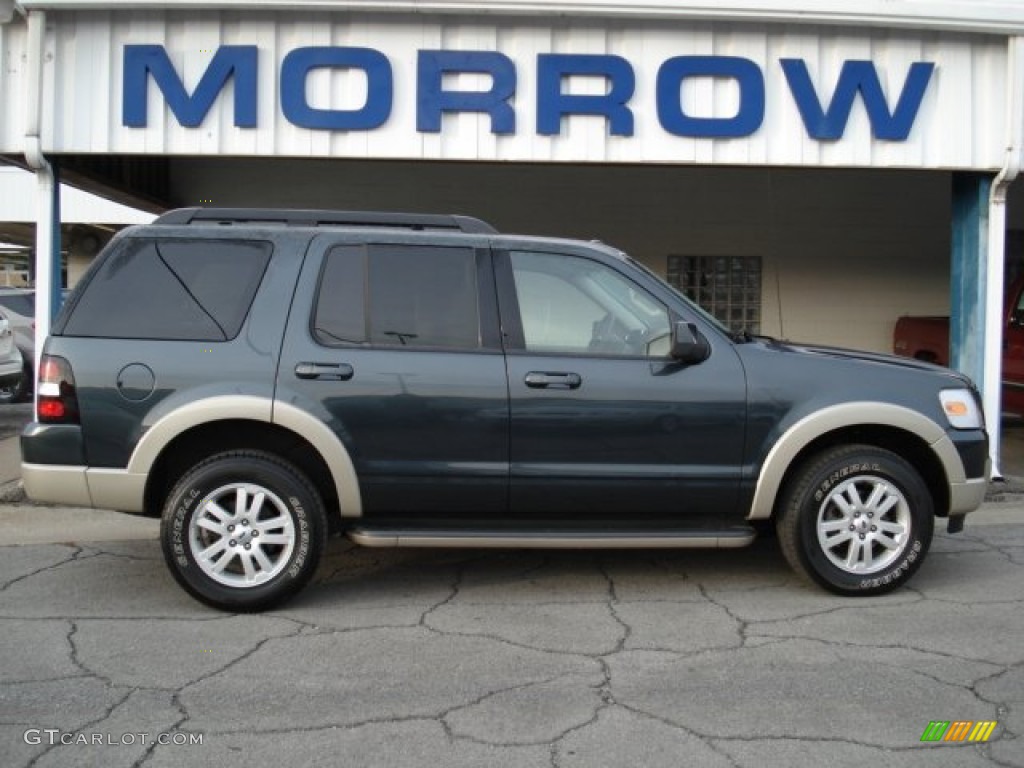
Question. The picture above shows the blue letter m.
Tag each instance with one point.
(143, 60)
(858, 76)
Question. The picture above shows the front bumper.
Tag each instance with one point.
(968, 496)
(967, 490)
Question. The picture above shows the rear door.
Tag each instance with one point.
(394, 343)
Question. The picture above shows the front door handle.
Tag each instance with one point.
(325, 371)
(548, 380)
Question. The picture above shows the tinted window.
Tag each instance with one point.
(410, 296)
(340, 316)
(574, 305)
(171, 289)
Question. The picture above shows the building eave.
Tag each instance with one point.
(1003, 17)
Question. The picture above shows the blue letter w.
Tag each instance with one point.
(142, 60)
(858, 76)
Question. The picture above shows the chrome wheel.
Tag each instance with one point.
(864, 525)
(242, 535)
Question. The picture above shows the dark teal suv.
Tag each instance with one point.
(261, 379)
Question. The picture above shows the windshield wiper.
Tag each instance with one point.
(745, 337)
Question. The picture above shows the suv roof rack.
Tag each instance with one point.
(315, 218)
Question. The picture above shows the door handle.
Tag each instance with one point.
(325, 371)
(546, 380)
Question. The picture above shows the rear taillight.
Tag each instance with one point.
(56, 400)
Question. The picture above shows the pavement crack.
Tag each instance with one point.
(443, 717)
(238, 659)
(707, 740)
(175, 726)
(742, 624)
(84, 727)
(611, 602)
(880, 646)
(453, 593)
(91, 551)
(77, 661)
(505, 641)
(74, 555)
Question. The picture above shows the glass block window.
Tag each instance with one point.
(729, 287)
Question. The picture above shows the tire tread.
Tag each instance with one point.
(790, 513)
(318, 534)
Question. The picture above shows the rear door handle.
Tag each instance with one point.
(548, 380)
(325, 371)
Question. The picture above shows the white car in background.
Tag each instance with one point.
(11, 366)
(19, 306)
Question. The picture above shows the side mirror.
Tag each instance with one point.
(688, 346)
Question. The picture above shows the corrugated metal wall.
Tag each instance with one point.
(961, 122)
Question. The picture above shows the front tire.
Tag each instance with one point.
(243, 531)
(857, 520)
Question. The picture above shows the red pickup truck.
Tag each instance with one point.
(927, 338)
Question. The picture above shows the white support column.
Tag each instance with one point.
(48, 192)
(995, 313)
(47, 252)
(995, 319)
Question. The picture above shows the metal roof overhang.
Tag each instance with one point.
(983, 16)
(141, 181)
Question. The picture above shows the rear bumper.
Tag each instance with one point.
(77, 486)
(54, 470)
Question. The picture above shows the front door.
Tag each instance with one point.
(603, 422)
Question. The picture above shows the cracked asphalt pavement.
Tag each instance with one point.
(513, 658)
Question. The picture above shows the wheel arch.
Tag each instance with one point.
(909, 434)
(187, 435)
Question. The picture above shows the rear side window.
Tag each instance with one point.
(398, 295)
(172, 289)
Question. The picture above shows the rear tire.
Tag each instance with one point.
(858, 520)
(243, 531)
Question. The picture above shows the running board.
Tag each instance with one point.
(546, 539)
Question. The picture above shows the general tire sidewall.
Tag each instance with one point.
(921, 523)
(189, 496)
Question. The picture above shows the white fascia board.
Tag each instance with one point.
(984, 16)
(18, 203)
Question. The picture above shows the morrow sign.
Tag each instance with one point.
(824, 115)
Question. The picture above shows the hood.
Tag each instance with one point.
(868, 357)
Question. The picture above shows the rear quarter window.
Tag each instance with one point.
(197, 290)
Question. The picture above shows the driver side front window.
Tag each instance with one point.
(572, 305)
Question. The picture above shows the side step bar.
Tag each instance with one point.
(547, 539)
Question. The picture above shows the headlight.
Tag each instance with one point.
(961, 409)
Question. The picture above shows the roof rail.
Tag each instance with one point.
(314, 218)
